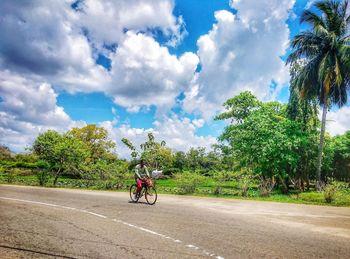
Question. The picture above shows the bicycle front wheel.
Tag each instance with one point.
(151, 195)
(134, 195)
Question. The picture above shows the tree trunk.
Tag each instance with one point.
(320, 149)
(56, 176)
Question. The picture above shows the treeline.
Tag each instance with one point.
(278, 143)
(84, 153)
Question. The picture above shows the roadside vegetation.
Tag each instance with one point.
(268, 150)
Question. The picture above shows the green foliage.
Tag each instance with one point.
(239, 107)
(11, 174)
(325, 51)
(329, 192)
(220, 179)
(171, 171)
(156, 154)
(266, 141)
(43, 177)
(96, 139)
(188, 182)
(63, 153)
(245, 182)
(341, 157)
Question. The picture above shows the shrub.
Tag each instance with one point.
(329, 192)
(188, 182)
(43, 177)
(266, 186)
(11, 174)
(220, 179)
(244, 182)
(171, 171)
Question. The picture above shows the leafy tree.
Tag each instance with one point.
(326, 51)
(305, 112)
(156, 154)
(239, 107)
(64, 153)
(179, 160)
(96, 138)
(195, 157)
(44, 145)
(267, 142)
(341, 159)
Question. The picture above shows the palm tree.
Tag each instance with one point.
(326, 52)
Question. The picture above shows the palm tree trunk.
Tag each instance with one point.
(320, 149)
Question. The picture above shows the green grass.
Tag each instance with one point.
(205, 189)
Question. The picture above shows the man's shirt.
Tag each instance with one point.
(141, 172)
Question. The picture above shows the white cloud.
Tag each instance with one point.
(338, 121)
(145, 73)
(241, 52)
(27, 108)
(50, 39)
(107, 20)
(179, 134)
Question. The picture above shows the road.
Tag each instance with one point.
(63, 223)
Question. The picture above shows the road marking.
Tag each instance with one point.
(115, 220)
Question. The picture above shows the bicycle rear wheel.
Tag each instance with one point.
(151, 195)
(134, 195)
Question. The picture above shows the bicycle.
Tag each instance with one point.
(148, 190)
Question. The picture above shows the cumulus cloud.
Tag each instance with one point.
(27, 108)
(338, 121)
(179, 134)
(107, 21)
(42, 38)
(145, 73)
(241, 52)
(60, 43)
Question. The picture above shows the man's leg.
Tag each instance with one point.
(139, 185)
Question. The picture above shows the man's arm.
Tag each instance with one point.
(137, 173)
(147, 172)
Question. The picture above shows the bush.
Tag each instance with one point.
(43, 177)
(220, 179)
(266, 186)
(244, 183)
(11, 174)
(188, 182)
(329, 192)
(170, 171)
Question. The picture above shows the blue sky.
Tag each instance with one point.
(137, 66)
(199, 18)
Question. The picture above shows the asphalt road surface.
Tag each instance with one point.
(63, 223)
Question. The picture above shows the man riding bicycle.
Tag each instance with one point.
(141, 174)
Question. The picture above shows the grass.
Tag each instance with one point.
(205, 189)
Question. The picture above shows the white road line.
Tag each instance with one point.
(115, 220)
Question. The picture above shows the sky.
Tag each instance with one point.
(161, 66)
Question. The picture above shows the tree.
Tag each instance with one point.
(326, 51)
(63, 153)
(239, 107)
(267, 142)
(44, 145)
(179, 160)
(156, 154)
(305, 112)
(96, 138)
(341, 158)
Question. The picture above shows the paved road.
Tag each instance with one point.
(62, 223)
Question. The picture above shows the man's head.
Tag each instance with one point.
(142, 163)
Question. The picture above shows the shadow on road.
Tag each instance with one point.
(140, 203)
(36, 252)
